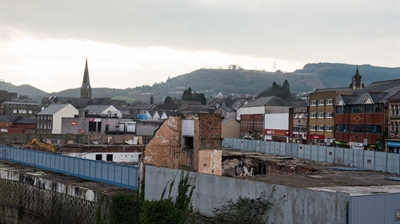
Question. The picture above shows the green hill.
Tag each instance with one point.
(231, 81)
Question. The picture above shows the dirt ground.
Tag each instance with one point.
(306, 174)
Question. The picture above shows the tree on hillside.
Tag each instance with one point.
(151, 99)
(168, 100)
(277, 90)
(189, 96)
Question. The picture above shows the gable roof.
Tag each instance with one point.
(102, 101)
(25, 120)
(97, 109)
(267, 101)
(144, 106)
(226, 120)
(52, 109)
(80, 103)
(5, 118)
(381, 86)
(332, 89)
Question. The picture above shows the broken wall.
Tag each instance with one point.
(192, 142)
(165, 147)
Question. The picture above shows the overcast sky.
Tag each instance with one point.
(131, 43)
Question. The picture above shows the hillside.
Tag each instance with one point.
(229, 81)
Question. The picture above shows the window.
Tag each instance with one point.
(22, 111)
(329, 102)
(312, 115)
(342, 109)
(29, 111)
(357, 128)
(14, 111)
(369, 108)
(357, 109)
(313, 103)
(329, 114)
(320, 115)
(321, 128)
(99, 157)
(188, 144)
(329, 128)
(312, 128)
(341, 128)
(295, 115)
(320, 102)
(109, 157)
(376, 129)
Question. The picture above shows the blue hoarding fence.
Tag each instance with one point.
(106, 172)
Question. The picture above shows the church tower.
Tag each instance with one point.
(86, 89)
(356, 83)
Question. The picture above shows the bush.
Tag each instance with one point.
(161, 212)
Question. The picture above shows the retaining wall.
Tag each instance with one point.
(290, 204)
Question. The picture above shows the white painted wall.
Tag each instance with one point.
(68, 111)
(276, 121)
(118, 157)
(250, 110)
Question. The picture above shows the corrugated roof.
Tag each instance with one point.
(52, 109)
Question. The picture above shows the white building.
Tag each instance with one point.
(49, 120)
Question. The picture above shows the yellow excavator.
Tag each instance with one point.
(35, 141)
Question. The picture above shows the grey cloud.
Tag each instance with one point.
(293, 30)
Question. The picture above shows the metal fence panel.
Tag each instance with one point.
(358, 158)
(366, 209)
(381, 161)
(379, 208)
(393, 163)
(369, 160)
(380, 158)
(115, 174)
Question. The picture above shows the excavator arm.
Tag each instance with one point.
(35, 141)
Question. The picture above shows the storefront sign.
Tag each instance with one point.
(276, 132)
(321, 137)
(94, 119)
(393, 144)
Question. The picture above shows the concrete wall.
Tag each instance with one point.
(147, 127)
(290, 205)
(31, 199)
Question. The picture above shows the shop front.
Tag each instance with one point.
(299, 138)
(276, 135)
(393, 146)
(316, 139)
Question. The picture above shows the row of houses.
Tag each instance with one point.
(355, 116)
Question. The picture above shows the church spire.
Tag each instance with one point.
(86, 89)
(356, 83)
